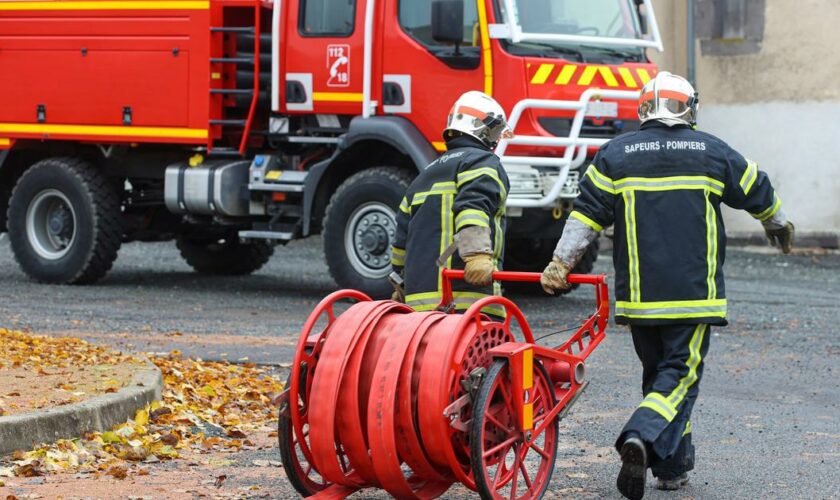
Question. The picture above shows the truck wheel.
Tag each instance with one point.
(531, 256)
(360, 226)
(65, 223)
(224, 256)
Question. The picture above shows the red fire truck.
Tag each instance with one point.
(233, 125)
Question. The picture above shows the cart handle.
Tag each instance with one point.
(584, 279)
(597, 322)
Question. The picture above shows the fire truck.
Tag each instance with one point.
(232, 126)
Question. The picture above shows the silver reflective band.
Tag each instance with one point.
(677, 183)
(710, 310)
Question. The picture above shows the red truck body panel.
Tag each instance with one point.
(85, 63)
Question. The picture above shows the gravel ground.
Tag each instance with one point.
(766, 424)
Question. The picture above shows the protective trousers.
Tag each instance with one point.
(672, 365)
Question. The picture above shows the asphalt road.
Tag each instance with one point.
(766, 424)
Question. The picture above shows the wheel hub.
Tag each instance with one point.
(370, 232)
(51, 224)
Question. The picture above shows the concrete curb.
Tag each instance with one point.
(22, 432)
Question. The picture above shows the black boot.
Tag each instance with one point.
(634, 462)
(672, 484)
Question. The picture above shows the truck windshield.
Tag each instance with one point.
(591, 18)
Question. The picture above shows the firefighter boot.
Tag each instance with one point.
(634, 463)
(672, 484)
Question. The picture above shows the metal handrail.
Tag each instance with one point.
(576, 146)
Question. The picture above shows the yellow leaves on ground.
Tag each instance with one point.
(207, 406)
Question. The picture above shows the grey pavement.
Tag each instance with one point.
(766, 424)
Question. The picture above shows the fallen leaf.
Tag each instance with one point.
(118, 472)
(220, 480)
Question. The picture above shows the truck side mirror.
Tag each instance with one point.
(448, 22)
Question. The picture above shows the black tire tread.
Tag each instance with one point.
(341, 275)
(237, 259)
(108, 224)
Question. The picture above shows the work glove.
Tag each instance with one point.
(781, 237)
(555, 276)
(479, 269)
(397, 296)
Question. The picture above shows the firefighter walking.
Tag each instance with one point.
(456, 203)
(662, 188)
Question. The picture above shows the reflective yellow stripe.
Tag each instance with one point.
(632, 245)
(5, 142)
(542, 74)
(586, 220)
(337, 96)
(680, 309)
(627, 77)
(486, 49)
(397, 256)
(446, 233)
(128, 5)
(660, 405)
(404, 208)
(749, 177)
(475, 173)
(766, 214)
(566, 74)
(471, 217)
(528, 369)
(687, 428)
(711, 247)
(644, 76)
(439, 146)
(88, 130)
(438, 188)
(672, 183)
(693, 362)
(600, 180)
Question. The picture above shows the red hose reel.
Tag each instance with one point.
(411, 402)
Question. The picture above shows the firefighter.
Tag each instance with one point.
(662, 187)
(453, 213)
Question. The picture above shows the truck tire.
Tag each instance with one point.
(224, 256)
(529, 256)
(359, 228)
(65, 222)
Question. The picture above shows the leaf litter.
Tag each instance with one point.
(206, 407)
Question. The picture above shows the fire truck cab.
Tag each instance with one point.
(234, 125)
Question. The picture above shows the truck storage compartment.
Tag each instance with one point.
(104, 68)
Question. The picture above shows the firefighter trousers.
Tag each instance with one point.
(672, 359)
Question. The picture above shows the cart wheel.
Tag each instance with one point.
(506, 462)
(303, 477)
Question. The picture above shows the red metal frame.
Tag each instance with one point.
(571, 353)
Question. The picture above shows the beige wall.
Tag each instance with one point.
(799, 58)
(779, 107)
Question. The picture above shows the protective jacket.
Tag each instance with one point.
(466, 186)
(662, 187)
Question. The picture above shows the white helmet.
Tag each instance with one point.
(478, 115)
(670, 99)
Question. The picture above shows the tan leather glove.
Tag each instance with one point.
(782, 237)
(479, 269)
(397, 296)
(554, 277)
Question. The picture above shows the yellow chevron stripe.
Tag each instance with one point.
(566, 74)
(587, 75)
(542, 74)
(627, 77)
(644, 76)
(608, 76)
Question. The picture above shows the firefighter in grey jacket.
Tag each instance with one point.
(662, 187)
(457, 202)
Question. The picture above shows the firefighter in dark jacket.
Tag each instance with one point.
(662, 187)
(456, 203)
